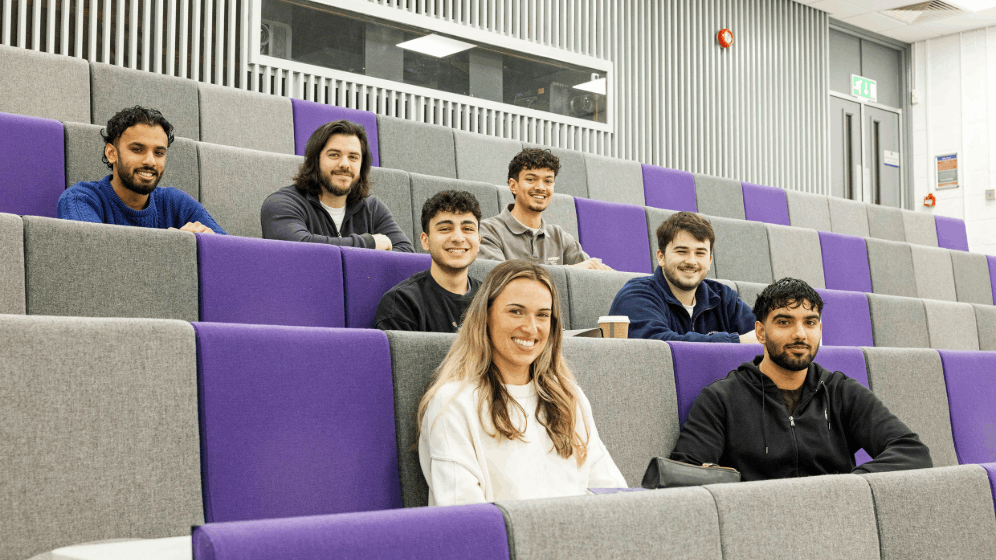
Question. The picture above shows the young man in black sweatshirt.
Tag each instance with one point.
(783, 415)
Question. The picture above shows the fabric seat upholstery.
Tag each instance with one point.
(668, 189)
(720, 197)
(614, 233)
(849, 217)
(49, 86)
(31, 190)
(11, 264)
(223, 111)
(114, 88)
(885, 222)
(808, 210)
(309, 116)
(765, 204)
(614, 180)
(367, 275)
(483, 159)
(426, 149)
(845, 262)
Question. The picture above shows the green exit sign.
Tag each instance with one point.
(864, 88)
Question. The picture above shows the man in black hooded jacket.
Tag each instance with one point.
(784, 416)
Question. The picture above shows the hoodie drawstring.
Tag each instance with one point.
(764, 416)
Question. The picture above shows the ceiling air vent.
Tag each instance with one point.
(923, 11)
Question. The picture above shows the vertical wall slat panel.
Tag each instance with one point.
(35, 24)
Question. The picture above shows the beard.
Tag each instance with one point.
(128, 181)
(671, 275)
(784, 360)
(333, 189)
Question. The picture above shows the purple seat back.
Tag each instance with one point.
(456, 532)
(765, 204)
(698, 364)
(308, 116)
(32, 165)
(268, 282)
(991, 471)
(970, 378)
(845, 262)
(850, 362)
(992, 274)
(951, 233)
(367, 275)
(615, 233)
(670, 189)
(846, 319)
(295, 421)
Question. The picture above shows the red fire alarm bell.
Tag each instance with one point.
(725, 38)
(930, 200)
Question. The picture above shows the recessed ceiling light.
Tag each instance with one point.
(974, 5)
(436, 45)
(596, 86)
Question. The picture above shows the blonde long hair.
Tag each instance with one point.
(470, 362)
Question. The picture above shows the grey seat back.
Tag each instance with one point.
(114, 88)
(394, 188)
(919, 228)
(933, 273)
(808, 210)
(246, 119)
(748, 291)
(427, 149)
(910, 382)
(44, 85)
(849, 217)
(885, 222)
(98, 431)
(720, 197)
(483, 158)
(614, 180)
(951, 326)
(85, 148)
(572, 179)
(99, 270)
(985, 319)
(971, 277)
(236, 181)
(424, 186)
(837, 512)
(592, 292)
(796, 252)
(630, 385)
(561, 210)
(899, 322)
(677, 523)
(891, 266)
(11, 264)
(934, 513)
(414, 359)
(741, 251)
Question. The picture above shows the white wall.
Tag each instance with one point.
(957, 113)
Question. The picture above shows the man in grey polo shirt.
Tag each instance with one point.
(520, 232)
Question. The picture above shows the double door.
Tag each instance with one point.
(865, 153)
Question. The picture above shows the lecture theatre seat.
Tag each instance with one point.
(910, 382)
(719, 197)
(669, 189)
(425, 149)
(808, 210)
(919, 228)
(845, 262)
(11, 264)
(483, 158)
(295, 421)
(973, 283)
(223, 119)
(933, 274)
(49, 86)
(890, 264)
(970, 380)
(614, 180)
(885, 222)
(114, 88)
(308, 116)
(741, 251)
(697, 365)
(899, 322)
(368, 274)
(849, 217)
(269, 282)
(31, 190)
(765, 204)
(846, 318)
(615, 233)
(951, 233)
(572, 180)
(795, 252)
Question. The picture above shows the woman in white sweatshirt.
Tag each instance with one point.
(504, 418)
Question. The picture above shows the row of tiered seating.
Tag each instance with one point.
(92, 92)
(81, 269)
(622, 235)
(151, 425)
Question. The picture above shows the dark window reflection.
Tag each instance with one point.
(324, 36)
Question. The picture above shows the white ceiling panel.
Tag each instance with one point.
(866, 14)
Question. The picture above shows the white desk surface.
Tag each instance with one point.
(173, 548)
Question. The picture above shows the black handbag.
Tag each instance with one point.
(665, 473)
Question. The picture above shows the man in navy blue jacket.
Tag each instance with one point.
(678, 302)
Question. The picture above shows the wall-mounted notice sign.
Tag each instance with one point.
(947, 171)
(890, 159)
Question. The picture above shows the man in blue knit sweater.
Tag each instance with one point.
(136, 142)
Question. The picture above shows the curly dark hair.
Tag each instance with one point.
(457, 202)
(307, 178)
(127, 118)
(533, 158)
(787, 292)
(697, 226)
